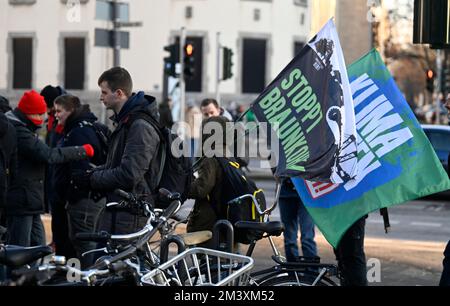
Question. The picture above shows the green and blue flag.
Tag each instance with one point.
(396, 162)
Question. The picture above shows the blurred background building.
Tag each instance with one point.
(69, 43)
(56, 42)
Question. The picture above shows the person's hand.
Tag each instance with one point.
(89, 150)
(81, 179)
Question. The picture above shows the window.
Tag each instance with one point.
(22, 2)
(256, 14)
(301, 2)
(188, 12)
(74, 63)
(253, 65)
(439, 140)
(22, 49)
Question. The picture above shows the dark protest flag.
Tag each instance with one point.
(309, 107)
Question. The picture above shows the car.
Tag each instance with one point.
(439, 136)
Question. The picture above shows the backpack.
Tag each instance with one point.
(103, 135)
(175, 173)
(235, 184)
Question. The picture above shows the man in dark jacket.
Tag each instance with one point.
(26, 195)
(8, 159)
(132, 163)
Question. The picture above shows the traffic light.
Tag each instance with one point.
(227, 71)
(430, 80)
(171, 60)
(189, 60)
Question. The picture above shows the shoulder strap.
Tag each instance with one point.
(142, 115)
(80, 124)
(98, 131)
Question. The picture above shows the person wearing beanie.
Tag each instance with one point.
(33, 106)
(52, 203)
(25, 196)
(50, 93)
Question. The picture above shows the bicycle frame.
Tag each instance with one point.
(313, 270)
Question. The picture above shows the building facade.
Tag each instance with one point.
(56, 42)
(353, 22)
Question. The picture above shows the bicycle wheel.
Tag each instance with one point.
(300, 279)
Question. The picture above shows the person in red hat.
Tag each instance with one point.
(25, 196)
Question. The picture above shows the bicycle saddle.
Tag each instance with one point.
(272, 228)
(196, 237)
(16, 256)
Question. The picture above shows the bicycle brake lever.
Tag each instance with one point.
(112, 204)
(104, 250)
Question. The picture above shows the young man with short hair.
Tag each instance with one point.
(211, 108)
(132, 163)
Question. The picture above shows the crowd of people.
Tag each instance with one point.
(73, 172)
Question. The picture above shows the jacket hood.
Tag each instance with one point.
(18, 118)
(83, 114)
(218, 132)
(138, 102)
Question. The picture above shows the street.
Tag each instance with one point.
(409, 255)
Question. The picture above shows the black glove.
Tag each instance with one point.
(81, 179)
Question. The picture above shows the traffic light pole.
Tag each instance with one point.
(218, 78)
(116, 34)
(182, 81)
(438, 88)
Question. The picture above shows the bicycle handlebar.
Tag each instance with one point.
(96, 237)
(124, 195)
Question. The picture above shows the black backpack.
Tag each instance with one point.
(103, 135)
(175, 173)
(235, 184)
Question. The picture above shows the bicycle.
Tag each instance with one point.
(304, 272)
(128, 256)
(201, 267)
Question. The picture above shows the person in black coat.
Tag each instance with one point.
(8, 159)
(83, 205)
(25, 197)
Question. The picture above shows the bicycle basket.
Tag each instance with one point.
(201, 267)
